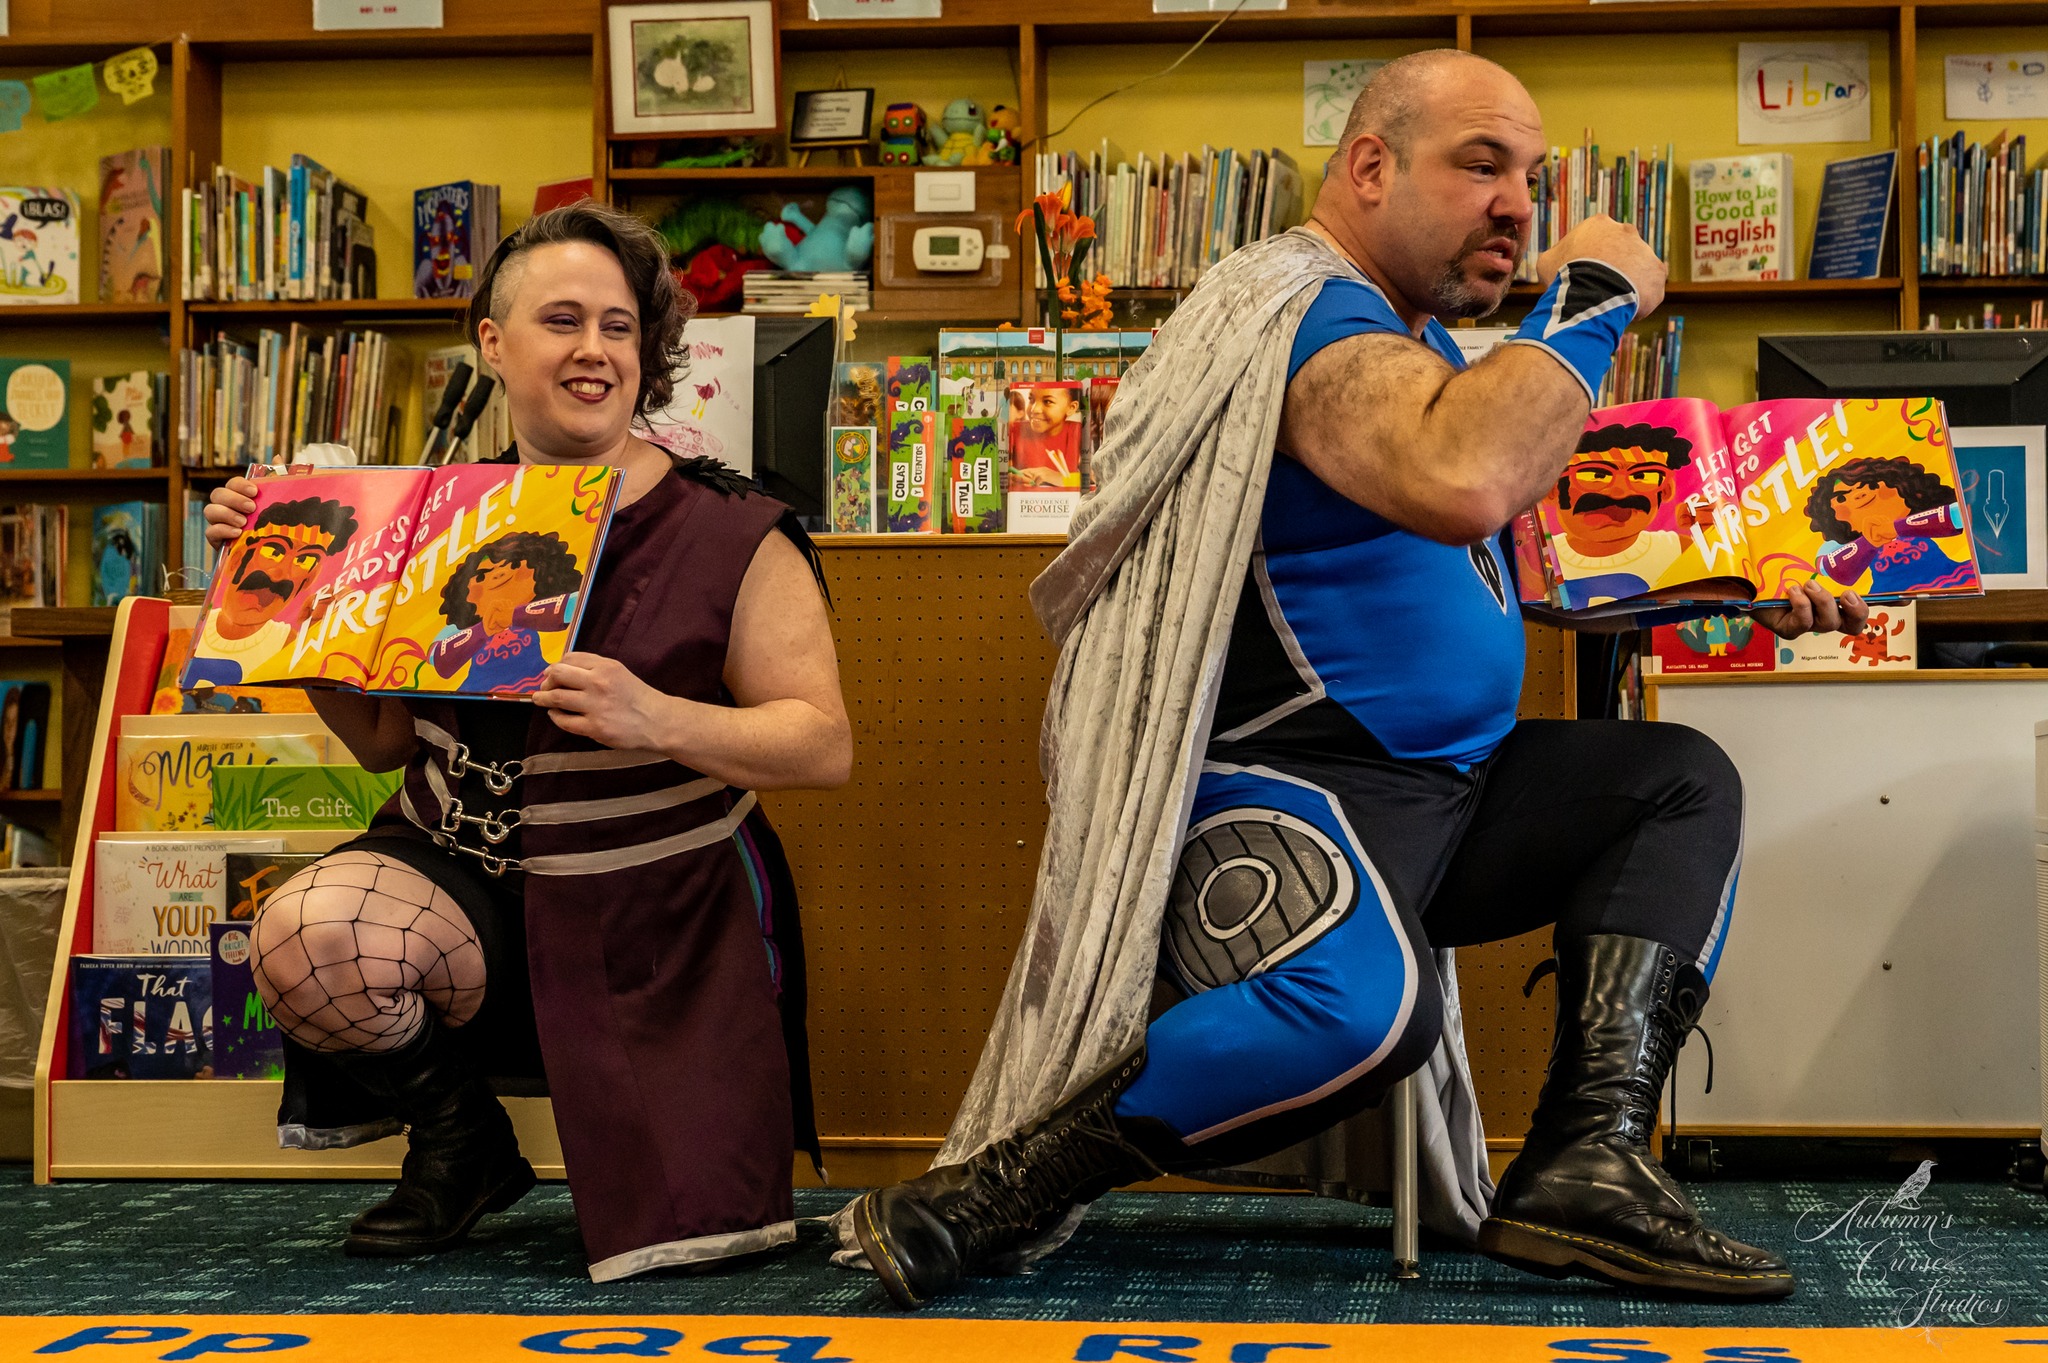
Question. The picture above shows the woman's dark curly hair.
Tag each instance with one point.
(554, 571)
(664, 307)
(1921, 491)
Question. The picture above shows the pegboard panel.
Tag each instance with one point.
(916, 876)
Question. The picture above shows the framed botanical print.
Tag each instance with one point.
(692, 67)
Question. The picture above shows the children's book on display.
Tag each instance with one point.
(467, 580)
(38, 245)
(1677, 503)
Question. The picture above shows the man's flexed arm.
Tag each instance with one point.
(1452, 456)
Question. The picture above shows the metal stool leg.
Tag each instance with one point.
(1407, 1216)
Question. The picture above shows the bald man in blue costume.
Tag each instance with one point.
(1367, 793)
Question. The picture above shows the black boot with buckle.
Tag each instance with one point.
(1584, 1196)
(462, 1158)
(924, 1235)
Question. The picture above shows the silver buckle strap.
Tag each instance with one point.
(498, 776)
(495, 826)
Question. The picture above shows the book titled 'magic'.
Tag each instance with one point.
(467, 580)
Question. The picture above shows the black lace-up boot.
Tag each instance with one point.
(1584, 1196)
(924, 1235)
(462, 1158)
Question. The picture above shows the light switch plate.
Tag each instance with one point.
(943, 191)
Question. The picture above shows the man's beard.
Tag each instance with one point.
(1455, 294)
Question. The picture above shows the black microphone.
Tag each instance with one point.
(458, 379)
(479, 398)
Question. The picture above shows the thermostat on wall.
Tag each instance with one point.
(947, 249)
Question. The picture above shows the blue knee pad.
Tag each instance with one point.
(1300, 974)
(1579, 320)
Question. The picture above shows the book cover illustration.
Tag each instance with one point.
(252, 877)
(463, 579)
(24, 733)
(1046, 427)
(124, 421)
(447, 246)
(1677, 500)
(38, 245)
(132, 225)
(1888, 642)
(1712, 643)
(160, 898)
(141, 1017)
(167, 779)
(206, 698)
(857, 394)
(974, 503)
(1742, 217)
(35, 414)
(913, 480)
(117, 552)
(246, 1042)
(279, 796)
(853, 479)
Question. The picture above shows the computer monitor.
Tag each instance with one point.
(792, 387)
(1984, 378)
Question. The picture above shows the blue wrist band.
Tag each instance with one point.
(1580, 318)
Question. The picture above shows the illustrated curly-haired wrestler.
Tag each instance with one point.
(271, 567)
(1882, 516)
(1616, 481)
(497, 603)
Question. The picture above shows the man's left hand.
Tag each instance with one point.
(596, 697)
(1810, 609)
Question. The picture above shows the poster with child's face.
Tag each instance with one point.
(1045, 435)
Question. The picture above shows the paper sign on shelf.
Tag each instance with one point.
(3, 18)
(1328, 90)
(1802, 92)
(131, 74)
(333, 14)
(1995, 85)
(874, 9)
(68, 92)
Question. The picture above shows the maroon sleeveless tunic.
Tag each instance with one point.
(646, 887)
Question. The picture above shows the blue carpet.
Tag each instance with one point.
(1974, 1253)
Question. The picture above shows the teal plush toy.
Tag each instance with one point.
(964, 131)
(842, 240)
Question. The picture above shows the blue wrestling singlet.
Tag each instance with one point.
(1367, 795)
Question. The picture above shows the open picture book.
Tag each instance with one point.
(1676, 502)
(467, 580)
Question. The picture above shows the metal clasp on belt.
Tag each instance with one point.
(495, 826)
(498, 776)
(493, 865)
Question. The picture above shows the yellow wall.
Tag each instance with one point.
(392, 127)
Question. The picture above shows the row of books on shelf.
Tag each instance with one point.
(263, 399)
(127, 553)
(41, 231)
(1981, 208)
(782, 291)
(128, 416)
(24, 734)
(1162, 222)
(1645, 362)
(1993, 318)
(1889, 642)
(1577, 183)
(214, 810)
(993, 433)
(301, 233)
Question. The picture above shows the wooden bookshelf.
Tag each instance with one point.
(339, 310)
(82, 314)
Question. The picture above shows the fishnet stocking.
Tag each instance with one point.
(349, 952)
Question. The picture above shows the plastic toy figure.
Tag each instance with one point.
(966, 136)
(904, 135)
(1005, 136)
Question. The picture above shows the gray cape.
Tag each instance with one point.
(1140, 603)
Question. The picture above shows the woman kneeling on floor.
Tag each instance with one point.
(583, 886)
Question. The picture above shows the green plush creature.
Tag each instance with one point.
(701, 222)
(965, 130)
